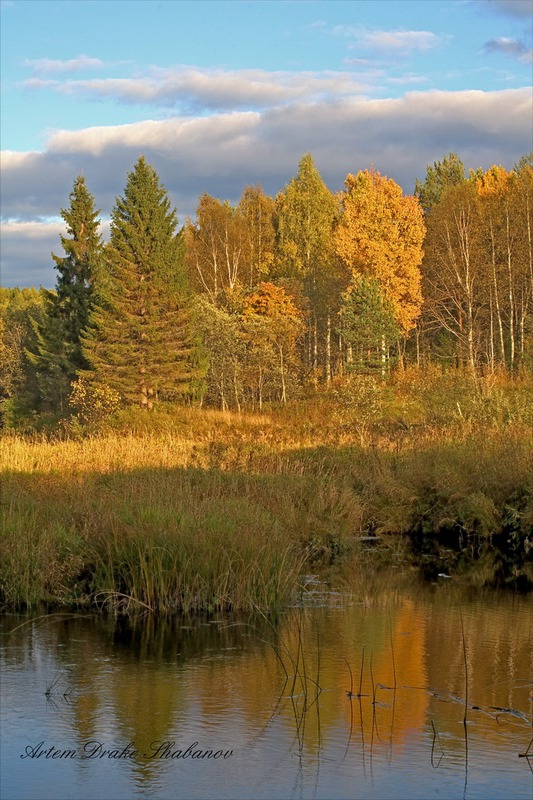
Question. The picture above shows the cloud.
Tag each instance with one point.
(400, 41)
(406, 80)
(25, 254)
(52, 66)
(514, 8)
(387, 42)
(510, 47)
(223, 153)
(193, 89)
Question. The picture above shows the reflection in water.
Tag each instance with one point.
(367, 699)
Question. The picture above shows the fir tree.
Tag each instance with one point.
(140, 340)
(58, 355)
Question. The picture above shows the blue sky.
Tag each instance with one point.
(219, 95)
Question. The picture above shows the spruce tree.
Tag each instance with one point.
(368, 325)
(58, 355)
(140, 341)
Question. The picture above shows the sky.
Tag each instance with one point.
(222, 94)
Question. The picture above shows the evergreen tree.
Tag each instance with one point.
(79, 268)
(58, 356)
(22, 311)
(140, 341)
(368, 324)
(440, 177)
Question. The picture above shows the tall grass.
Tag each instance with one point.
(194, 509)
(161, 539)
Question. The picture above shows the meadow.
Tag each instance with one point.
(189, 509)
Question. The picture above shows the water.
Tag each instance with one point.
(230, 707)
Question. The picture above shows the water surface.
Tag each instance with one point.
(234, 707)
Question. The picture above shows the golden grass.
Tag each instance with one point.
(198, 509)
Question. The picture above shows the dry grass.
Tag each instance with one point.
(195, 509)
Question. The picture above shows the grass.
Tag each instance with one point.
(190, 509)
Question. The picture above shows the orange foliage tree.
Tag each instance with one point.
(380, 237)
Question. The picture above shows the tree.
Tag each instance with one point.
(273, 324)
(22, 312)
(215, 247)
(306, 214)
(224, 345)
(367, 323)
(439, 178)
(58, 353)
(257, 211)
(380, 237)
(79, 269)
(455, 275)
(522, 211)
(140, 341)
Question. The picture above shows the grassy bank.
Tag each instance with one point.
(194, 509)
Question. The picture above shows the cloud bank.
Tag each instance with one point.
(224, 152)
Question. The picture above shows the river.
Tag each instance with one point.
(413, 692)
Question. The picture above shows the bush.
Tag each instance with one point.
(92, 403)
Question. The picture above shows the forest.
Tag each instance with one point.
(274, 299)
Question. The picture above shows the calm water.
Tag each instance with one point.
(231, 707)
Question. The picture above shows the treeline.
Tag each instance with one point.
(272, 298)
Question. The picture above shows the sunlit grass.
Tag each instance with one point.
(189, 509)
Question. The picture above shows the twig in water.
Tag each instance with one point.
(392, 651)
(361, 673)
(350, 693)
(318, 658)
(466, 668)
(435, 736)
(526, 754)
(50, 686)
(374, 687)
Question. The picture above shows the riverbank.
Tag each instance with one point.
(207, 510)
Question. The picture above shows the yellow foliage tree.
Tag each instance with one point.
(380, 236)
(273, 324)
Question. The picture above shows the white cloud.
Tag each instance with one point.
(223, 153)
(387, 42)
(408, 80)
(195, 89)
(400, 41)
(52, 65)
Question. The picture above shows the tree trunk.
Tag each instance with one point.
(496, 297)
(282, 376)
(315, 344)
(328, 351)
(511, 293)
(236, 389)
